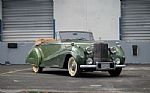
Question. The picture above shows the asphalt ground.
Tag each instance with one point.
(21, 79)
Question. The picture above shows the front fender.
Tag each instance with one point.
(78, 53)
(119, 54)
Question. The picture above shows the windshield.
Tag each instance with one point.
(76, 36)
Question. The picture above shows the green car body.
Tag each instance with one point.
(76, 55)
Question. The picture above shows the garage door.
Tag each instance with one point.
(135, 23)
(27, 20)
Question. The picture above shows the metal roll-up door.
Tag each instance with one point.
(135, 23)
(27, 20)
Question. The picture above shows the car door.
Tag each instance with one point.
(50, 53)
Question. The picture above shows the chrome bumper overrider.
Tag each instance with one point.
(97, 67)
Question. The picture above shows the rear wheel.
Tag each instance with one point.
(73, 67)
(37, 69)
(115, 72)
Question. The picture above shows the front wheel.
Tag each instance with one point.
(73, 67)
(37, 69)
(115, 72)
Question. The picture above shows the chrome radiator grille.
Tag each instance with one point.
(100, 52)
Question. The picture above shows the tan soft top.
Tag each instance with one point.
(44, 41)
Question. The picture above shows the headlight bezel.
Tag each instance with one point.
(112, 50)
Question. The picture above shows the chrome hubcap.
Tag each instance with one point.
(72, 67)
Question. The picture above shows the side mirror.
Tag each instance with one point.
(118, 44)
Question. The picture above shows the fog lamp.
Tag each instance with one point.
(117, 61)
(89, 61)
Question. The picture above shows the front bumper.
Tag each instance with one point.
(102, 66)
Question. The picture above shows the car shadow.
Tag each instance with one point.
(56, 72)
(95, 74)
(82, 75)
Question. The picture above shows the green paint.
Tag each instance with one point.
(52, 54)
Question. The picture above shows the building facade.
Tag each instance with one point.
(98, 16)
(125, 21)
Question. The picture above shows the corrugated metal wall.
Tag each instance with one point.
(135, 23)
(26, 20)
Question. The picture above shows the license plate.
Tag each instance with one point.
(105, 66)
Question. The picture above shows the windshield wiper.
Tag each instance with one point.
(77, 39)
(67, 40)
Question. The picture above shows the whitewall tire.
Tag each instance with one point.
(73, 67)
(37, 69)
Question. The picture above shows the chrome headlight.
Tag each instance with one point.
(117, 61)
(113, 50)
(89, 50)
(89, 61)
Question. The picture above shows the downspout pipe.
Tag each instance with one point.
(54, 32)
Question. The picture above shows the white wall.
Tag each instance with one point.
(16, 55)
(98, 16)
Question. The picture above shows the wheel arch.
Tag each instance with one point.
(65, 65)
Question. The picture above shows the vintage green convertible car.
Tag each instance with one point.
(78, 52)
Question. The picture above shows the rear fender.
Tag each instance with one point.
(34, 57)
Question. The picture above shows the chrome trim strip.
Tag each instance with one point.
(88, 66)
(95, 66)
(120, 66)
(104, 62)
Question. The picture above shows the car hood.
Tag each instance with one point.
(83, 44)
